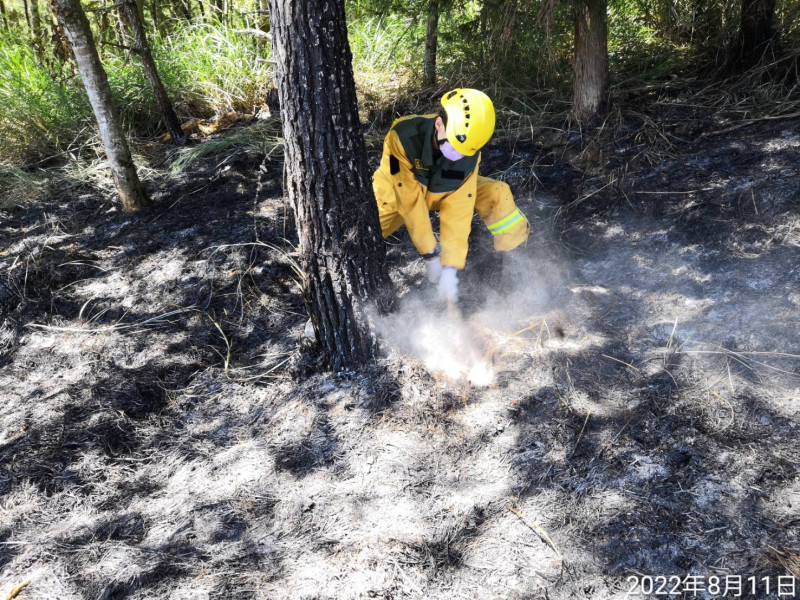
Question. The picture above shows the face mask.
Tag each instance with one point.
(449, 152)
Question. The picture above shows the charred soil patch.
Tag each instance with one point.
(640, 414)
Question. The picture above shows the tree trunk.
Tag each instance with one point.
(431, 41)
(3, 14)
(131, 14)
(590, 94)
(76, 26)
(155, 16)
(27, 13)
(327, 179)
(757, 33)
(36, 22)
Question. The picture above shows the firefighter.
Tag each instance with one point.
(430, 162)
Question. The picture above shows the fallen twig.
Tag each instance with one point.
(580, 435)
(256, 32)
(15, 592)
(538, 529)
(743, 124)
(621, 362)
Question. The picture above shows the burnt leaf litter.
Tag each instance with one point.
(164, 434)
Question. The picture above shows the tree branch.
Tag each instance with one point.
(256, 32)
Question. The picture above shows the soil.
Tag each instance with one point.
(634, 411)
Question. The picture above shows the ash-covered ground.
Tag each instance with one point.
(618, 398)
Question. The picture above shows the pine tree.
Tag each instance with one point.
(326, 175)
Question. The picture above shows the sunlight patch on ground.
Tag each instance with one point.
(161, 267)
(787, 140)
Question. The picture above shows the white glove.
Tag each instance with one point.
(448, 285)
(433, 267)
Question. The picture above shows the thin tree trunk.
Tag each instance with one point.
(3, 14)
(202, 9)
(484, 35)
(590, 93)
(431, 41)
(757, 32)
(36, 22)
(326, 174)
(154, 15)
(263, 17)
(131, 14)
(76, 26)
(27, 13)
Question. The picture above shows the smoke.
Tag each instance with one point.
(462, 343)
(441, 339)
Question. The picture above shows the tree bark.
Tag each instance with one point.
(76, 26)
(326, 175)
(3, 14)
(590, 96)
(131, 14)
(431, 42)
(756, 33)
(36, 22)
(154, 8)
(27, 13)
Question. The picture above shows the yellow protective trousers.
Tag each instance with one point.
(493, 201)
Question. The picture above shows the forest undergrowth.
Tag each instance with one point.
(164, 436)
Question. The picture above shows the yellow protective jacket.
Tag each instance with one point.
(412, 181)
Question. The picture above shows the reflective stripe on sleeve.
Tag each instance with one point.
(506, 223)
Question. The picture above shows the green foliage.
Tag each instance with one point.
(207, 69)
(42, 113)
(211, 69)
(516, 48)
(386, 58)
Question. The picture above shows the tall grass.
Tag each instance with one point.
(42, 113)
(207, 70)
(211, 69)
(385, 56)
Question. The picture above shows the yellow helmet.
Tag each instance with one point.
(470, 119)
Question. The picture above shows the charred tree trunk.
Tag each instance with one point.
(431, 42)
(76, 26)
(590, 94)
(326, 174)
(757, 36)
(131, 14)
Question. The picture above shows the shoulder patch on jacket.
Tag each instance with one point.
(394, 165)
(419, 165)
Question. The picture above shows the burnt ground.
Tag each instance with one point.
(637, 413)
